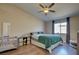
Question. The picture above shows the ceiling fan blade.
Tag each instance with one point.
(40, 11)
(45, 6)
(51, 5)
(41, 5)
(52, 10)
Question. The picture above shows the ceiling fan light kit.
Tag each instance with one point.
(46, 9)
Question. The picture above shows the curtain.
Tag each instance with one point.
(68, 31)
(53, 27)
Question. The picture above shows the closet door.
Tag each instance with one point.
(6, 29)
(5, 32)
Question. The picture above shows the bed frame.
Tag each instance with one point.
(33, 41)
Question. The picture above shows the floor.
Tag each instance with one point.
(34, 50)
(64, 50)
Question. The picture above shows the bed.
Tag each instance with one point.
(46, 41)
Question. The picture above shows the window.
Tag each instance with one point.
(60, 27)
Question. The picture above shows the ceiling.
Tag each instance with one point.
(63, 10)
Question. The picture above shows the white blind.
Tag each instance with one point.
(60, 27)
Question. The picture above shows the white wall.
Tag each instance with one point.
(48, 27)
(74, 27)
(21, 22)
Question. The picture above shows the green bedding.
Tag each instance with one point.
(49, 40)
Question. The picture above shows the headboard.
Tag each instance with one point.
(32, 33)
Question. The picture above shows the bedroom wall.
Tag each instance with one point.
(74, 27)
(21, 22)
(48, 27)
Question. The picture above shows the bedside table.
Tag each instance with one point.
(25, 40)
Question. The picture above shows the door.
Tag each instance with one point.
(5, 33)
(6, 29)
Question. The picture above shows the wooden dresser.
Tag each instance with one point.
(78, 42)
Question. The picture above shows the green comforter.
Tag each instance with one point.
(49, 40)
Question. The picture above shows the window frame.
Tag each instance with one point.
(60, 28)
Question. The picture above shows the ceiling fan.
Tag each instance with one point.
(46, 8)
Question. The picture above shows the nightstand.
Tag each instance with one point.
(25, 40)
